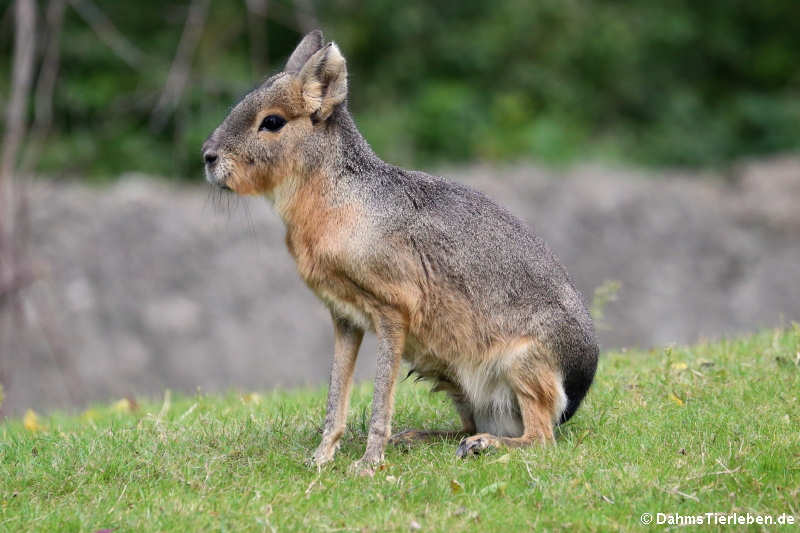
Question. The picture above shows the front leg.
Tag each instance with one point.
(391, 329)
(347, 339)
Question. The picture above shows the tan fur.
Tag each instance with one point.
(437, 317)
(251, 178)
(376, 275)
(322, 88)
(537, 396)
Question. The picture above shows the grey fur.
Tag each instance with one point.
(467, 247)
(491, 255)
(310, 44)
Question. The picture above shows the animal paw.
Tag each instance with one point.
(322, 455)
(476, 444)
(313, 462)
(366, 466)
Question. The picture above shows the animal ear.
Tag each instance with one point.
(310, 44)
(323, 81)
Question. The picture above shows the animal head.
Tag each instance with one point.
(278, 131)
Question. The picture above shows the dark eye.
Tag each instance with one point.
(272, 123)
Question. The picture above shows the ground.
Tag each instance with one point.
(680, 430)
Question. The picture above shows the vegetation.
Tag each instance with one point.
(678, 83)
(687, 430)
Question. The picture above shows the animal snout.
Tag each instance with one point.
(210, 157)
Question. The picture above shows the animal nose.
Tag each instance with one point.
(211, 157)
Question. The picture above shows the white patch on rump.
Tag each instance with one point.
(561, 400)
(494, 404)
(495, 407)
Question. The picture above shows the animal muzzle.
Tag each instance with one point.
(217, 170)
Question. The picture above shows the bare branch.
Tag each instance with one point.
(16, 122)
(45, 84)
(21, 77)
(18, 281)
(306, 16)
(286, 16)
(108, 33)
(257, 28)
(181, 66)
(48, 73)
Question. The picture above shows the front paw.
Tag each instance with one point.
(316, 462)
(476, 444)
(366, 466)
(322, 456)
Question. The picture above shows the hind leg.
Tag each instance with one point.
(464, 410)
(540, 398)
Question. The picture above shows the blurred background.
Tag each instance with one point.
(653, 144)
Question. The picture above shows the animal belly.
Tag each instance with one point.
(501, 424)
(482, 382)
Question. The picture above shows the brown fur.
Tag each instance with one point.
(342, 209)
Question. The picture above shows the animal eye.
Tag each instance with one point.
(272, 123)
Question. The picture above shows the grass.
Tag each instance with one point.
(687, 430)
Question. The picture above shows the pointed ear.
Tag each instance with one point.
(323, 81)
(310, 44)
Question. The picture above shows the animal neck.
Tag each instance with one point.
(349, 162)
(356, 158)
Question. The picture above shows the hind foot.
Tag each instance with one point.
(476, 444)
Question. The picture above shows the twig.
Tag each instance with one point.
(18, 281)
(534, 480)
(188, 412)
(165, 406)
(50, 65)
(257, 30)
(21, 78)
(158, 421)
(108, 33)
(181, 66)
(121, 494)
(720, 473)
(306, 17)
(727, 470)
(679, 493)
(45, 83)
(311, 485)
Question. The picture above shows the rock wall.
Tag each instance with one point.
(147, 285)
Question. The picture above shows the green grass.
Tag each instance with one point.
(687, 430)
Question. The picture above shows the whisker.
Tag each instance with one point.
(228, 201)
(248, 215)
(209, 201)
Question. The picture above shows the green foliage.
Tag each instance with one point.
(687, 430)
(604, 294)
(663, 83)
